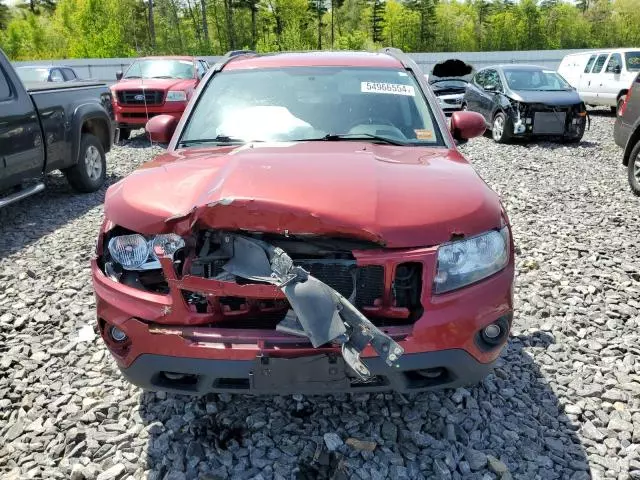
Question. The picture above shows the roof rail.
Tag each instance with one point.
(230, 55)
(406, 61)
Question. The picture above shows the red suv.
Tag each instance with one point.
(153, 86)
(311, 228)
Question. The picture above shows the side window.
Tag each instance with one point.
(614, 61)
(204, 65)
(68, 74)
(597, 68)
(56, 75)
(5, 89)
(200, 69)
(592, 59)
(480, 79)
(493, 78)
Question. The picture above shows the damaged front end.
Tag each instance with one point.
(305, 286)
(533, 119)
(317, 312)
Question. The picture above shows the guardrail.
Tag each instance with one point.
(104, 69)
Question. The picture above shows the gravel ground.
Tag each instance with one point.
(563, 402)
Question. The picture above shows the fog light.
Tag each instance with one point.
(492, 331)
(117, 334)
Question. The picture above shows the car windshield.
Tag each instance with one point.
(33, 74)
(161, 69)
(529, 79)
(312, 103)
(633, 61)
(448, 84)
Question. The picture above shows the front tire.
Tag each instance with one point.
(125, 133)
(501, 128)
(633, 169)
(90, 172)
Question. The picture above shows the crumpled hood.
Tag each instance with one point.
(396, 196)
(155, 84)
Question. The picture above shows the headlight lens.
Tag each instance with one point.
(130, 251)
(167, 244)
(176, 96)
(467, 261)
(135, 252)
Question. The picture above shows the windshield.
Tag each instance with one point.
(32, 74)
(633, 61)
(528, 79)
(310, 103)
(161, 69)
(448, 84)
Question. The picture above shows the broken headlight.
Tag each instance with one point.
(135, 252)
(463, 262)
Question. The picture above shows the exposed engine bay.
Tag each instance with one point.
(323, 290)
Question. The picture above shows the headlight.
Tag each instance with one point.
(467, 261)
(130, 251)
(135, 252)
(176, 96)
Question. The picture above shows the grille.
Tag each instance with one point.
(138, 97)
(341, 275)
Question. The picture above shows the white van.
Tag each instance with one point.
(602, 77)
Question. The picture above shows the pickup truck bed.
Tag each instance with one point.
(46, 127)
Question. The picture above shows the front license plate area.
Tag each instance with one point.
(315, 373)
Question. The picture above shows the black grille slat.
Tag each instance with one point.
(370, 285)
(339, 275)
(151, 97)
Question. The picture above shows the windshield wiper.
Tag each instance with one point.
(335, 137)
(162, 76)
(220, 139)
(133, 76)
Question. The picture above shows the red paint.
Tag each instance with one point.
(138, 114)
(397, 196)
(161, 128)
(467, 125)
(409, 200)
(317, 59)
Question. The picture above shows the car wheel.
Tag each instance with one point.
(501, 128)
(634, 169)
(90, 173)
(125, 133)
(578, 137)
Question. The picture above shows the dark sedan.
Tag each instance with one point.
(627, 134)
(522, 101)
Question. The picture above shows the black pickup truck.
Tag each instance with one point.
(45, 127)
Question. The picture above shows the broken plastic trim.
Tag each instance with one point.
(318, 311)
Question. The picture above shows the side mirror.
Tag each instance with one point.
(617, 70)
(465, 125)
(119, 75)
(491, 88)
(160, 128)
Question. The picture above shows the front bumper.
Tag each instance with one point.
(164, 335)
(128, 116)
(318, 374)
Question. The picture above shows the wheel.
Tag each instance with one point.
(501, 128)
(620, 104)
(578, 137)
(90, 172)
(634, 169)
(125, 133)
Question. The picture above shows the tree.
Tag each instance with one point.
(377, 20)
(5, 16)
(427, 11)
(318, 9)
(38, 6)
(152, 26)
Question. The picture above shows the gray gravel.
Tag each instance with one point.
(563, 403)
